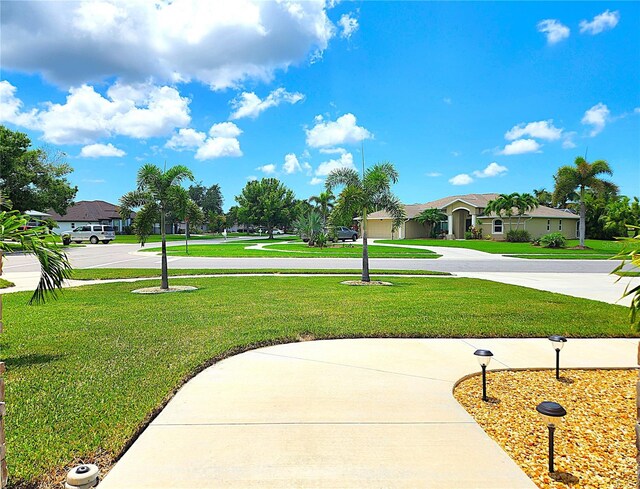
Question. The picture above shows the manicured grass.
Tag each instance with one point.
(156, 238)
(294, 250)
(86, 372)
(117, 273)
(4, 284)
(601, 250)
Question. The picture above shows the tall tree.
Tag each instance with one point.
(324, 203)
(158, 194)
(267, 203)
(544, 197)
(33, 178)
(369, 193)
(579, 179)
(188, 211)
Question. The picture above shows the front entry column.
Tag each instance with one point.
(473, 220)
(450, 234)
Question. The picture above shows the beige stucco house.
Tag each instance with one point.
(466, 211)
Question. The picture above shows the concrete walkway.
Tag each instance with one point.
(341, 413)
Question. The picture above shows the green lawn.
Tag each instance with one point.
(294, 250)
(119, 273)
(600, 250)
(4, 284)
(86, 372)
(156, 238)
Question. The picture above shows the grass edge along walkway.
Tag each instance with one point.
(61, 372)
(126, 273)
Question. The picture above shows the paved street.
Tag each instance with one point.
(454, 260)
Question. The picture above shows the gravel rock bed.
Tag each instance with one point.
(360, 282)
(594, 444)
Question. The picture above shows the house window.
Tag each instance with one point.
(559, 224)
(73, 224)
(497, 226)
(548, 224)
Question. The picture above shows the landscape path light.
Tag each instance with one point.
(551, 412)
(483, 357)
(557, 342)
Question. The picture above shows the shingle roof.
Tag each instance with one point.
(476, 200)
(87, 210)
(412, 210)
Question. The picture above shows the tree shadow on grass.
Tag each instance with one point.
(30, 360)
(564, 477)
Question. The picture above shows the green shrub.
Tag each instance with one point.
(468, 235)
(518, 236)
(321, 240)
(553, 240)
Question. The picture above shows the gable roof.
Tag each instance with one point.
(412, 210)
(87, 210)
(479, 201)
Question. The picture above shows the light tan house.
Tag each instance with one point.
(466, 211)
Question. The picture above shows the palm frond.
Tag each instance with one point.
(347, 177)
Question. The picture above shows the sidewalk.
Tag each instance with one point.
(341, 413)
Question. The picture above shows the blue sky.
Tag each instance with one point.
(462, 97)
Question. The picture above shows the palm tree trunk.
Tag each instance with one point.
(365, 249)
(165, 275)
(186, 237)
(582, 221)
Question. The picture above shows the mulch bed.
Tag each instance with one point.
(594, 443)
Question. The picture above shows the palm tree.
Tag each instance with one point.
(369, 193)
(324, 202)
(431, 217)
(54, 267)
(309, 226)
(502, 206)
(188, 211)
(158, 193)
(580, 178)
(524, 203)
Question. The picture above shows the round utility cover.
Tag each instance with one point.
(82, 475)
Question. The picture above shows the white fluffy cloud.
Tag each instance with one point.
(218, 148)
(291, 164)
(316, 181)
(222, 141)
(433, 174)
(521, 146)
(186, 139)
(138, 111)
(541, 130)
(554, 30)
(268, 169)
(344, 130)
(225, 130)
(349, 25)
(11, 108)
(80, 42)
(603, 22)
(326, 167)
(492, 170)
(248, 104)
(461, 179)
(100, 150)
(596, 117)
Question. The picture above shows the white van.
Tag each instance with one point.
(93, 233)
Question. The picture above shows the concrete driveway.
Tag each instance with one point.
(341, 413)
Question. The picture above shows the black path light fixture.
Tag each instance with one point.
(557, 342)
(551, 412)
(484, 357)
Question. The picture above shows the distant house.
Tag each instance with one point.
(90, 212)
(466, 211)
